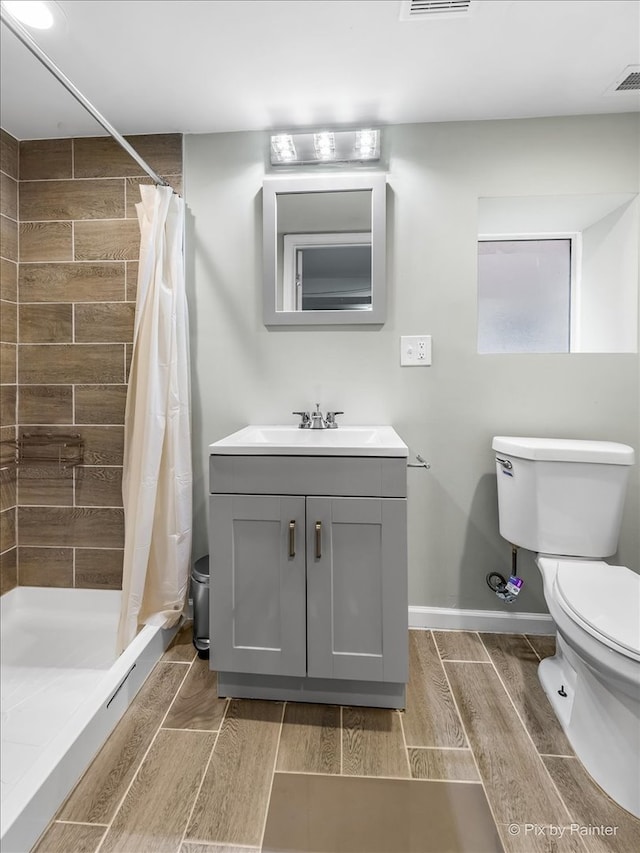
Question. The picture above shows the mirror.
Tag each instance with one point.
(324, 249)
(595, 301)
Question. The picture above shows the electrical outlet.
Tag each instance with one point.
(415, 350)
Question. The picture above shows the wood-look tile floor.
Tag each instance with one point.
(477, 763)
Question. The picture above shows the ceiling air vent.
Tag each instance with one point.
(414, 10)
(631, 81)
(627, 81)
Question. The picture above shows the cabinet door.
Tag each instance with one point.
(257, 564)
(357, 589)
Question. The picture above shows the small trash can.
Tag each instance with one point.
(200, 598)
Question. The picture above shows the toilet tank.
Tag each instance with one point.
(562, 496)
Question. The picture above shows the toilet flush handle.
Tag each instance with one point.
(505, 463)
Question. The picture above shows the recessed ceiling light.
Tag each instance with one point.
(33, 13)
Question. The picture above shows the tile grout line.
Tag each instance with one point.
(273, 776)
(341, 744)
(204, 775)
(558, 755)
(468, 739)
(16, 409)
(76, 344)
(84, 547)
(93, 261)
(535, 651)
(81, 506)
(201, 731)
(404, 741)
(171, 704)
(73, 243)
(65, 384)
(144, 758)
(442, 748)
(89, 178)
(74, 473)
(74, 218)
(457, 660)
(387, 778)
(537, 752)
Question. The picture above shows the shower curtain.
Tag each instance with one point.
(157, 476)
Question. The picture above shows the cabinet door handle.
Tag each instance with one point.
(318, 540)
(292, 538)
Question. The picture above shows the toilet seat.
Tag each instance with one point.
(591, 593)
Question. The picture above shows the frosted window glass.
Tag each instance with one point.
(524, 295)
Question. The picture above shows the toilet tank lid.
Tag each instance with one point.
(564, 450)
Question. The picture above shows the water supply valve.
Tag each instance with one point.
(506, 590)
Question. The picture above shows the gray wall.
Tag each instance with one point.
(244, 372)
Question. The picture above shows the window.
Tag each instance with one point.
(558, 273)
(525, 285)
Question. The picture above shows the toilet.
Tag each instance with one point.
(564, 499)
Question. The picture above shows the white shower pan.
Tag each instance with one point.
(62, 692)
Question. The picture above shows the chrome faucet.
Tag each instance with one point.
(305, 420)
(316, 421)
(330, 420)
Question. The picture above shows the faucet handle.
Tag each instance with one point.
(305, 420)
(331, 419)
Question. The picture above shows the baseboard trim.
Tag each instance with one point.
(495, 621)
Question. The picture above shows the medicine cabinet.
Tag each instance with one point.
(324, 249)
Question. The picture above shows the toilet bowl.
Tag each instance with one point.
(593, 681)
(563, 499)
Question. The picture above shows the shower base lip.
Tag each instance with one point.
(31, 803)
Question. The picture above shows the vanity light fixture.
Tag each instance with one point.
(325, 145)
(367, 143)
(334, 146)
(32, 13)
(283, 149)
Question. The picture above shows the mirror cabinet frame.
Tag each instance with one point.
(273, 187)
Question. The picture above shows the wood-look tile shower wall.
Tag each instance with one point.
(78, 245)
(8, 339)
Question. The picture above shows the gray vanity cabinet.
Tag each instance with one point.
(258, 584)
(308, 590)
(356, 597)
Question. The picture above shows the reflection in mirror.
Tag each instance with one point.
(330, 272)
(558, 273)
(324, 249)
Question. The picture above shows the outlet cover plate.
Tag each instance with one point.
(415, 350)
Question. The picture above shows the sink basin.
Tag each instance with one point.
(271, 440)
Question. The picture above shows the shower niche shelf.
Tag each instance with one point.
(64, 450)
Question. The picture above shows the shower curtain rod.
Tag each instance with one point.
(22, 35)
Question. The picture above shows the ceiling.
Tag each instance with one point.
(227, 65)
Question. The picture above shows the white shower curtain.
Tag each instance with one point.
(157, 476)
